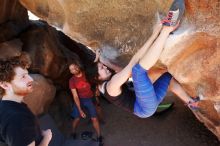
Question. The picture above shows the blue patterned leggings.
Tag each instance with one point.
(148, 95)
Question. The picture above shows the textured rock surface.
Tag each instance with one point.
(50, 51)
(10, 48)
(13, 19)
(120, 24)
(40, 41)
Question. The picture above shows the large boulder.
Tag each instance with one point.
(41, 43)
(124, 25)
(49, 57)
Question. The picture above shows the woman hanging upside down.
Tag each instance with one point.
(147, 96)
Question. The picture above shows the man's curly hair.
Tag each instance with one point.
(7, 68)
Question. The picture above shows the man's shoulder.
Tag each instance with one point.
(17, 122)
(14, 110)
(17, 119)
(15, 114)
(7, 108)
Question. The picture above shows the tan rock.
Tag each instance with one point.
(208, 115)
(194, 62)
(96, 23)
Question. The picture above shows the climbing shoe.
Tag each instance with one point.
(175, 13)
(193, 105)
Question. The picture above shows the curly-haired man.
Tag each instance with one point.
(18, 125)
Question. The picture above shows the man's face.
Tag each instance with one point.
(74, 69)
(22, 83)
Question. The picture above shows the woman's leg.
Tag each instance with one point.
(153, 53)
(146, 102)
(146, 98)
(161, 85)
(148, 95)
(177, 89)
(171, 22)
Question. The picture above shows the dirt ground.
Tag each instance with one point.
(177, 127)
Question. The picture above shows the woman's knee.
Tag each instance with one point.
(137, 69)
(134, 69)
(145, 113)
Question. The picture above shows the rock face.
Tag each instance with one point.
(41, 42)
(50, 51)
(10, 48)
(97, 23)
(192, 53)
(13, 19)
